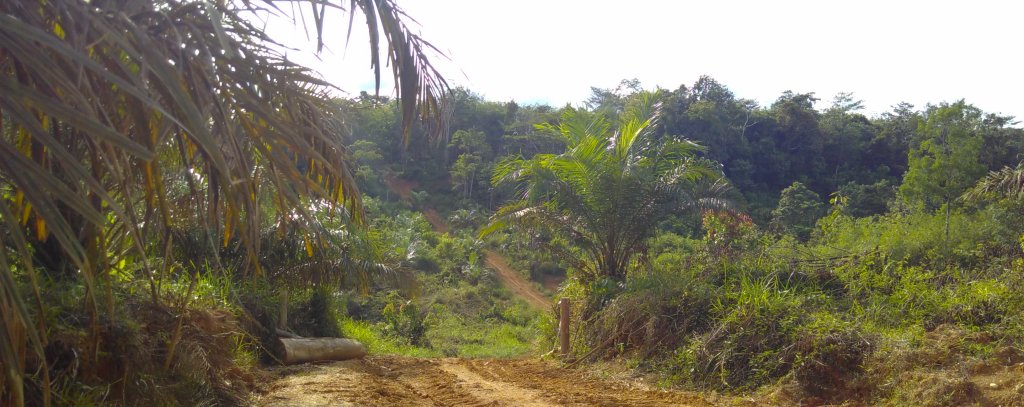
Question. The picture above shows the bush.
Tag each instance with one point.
(511, 332)
(316, 313)
(404, 319)
(655, 313)
(919, 238)
(213, 360)
(751, 343)
(830, 359)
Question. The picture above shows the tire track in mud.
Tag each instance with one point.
(403, 381)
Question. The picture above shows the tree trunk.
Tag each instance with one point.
(946, 241)
(299, 350)
(563, 327)
(282, 319)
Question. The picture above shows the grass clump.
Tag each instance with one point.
(749, 344)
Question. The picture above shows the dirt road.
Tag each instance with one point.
(520, 286)
(402, 381)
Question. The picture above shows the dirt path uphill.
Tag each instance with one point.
(402, 381)
(515, 282)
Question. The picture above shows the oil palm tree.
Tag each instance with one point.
(104, 103)
(607, 192)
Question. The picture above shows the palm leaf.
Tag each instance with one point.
(100, 106)
(607, 192)
(1007, 182)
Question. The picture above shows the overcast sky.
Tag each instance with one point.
(553, 51)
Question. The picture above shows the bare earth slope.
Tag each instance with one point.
(402, 381)
(515, 282)
(519, 286)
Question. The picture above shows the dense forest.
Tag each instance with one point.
(176, 200)
(761, 150)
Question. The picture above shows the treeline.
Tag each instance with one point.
(863, 259)
(940, 149)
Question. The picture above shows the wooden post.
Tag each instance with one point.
(563, 326)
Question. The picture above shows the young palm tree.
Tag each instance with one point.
(611, 187)
(104, 103)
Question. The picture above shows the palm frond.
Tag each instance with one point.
(104, 104)
(419, 85)
(607, 192)
(1007, 182)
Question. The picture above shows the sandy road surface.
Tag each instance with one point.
(402, 381)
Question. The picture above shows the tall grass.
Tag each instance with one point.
(840, 317)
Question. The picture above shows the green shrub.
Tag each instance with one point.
(919, 238)
(403, 319)
(315, 314)
(378, 342)
(655, 313)
(751, 342)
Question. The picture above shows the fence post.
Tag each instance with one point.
(563, 326)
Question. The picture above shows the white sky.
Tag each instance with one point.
(553, 51)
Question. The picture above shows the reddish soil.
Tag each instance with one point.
(435, 219)
(400, 186)
(403, 381)
(513, 280)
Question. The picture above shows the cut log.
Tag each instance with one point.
(299, 350)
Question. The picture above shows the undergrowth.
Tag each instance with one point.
(881, 310)
(191, 348)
